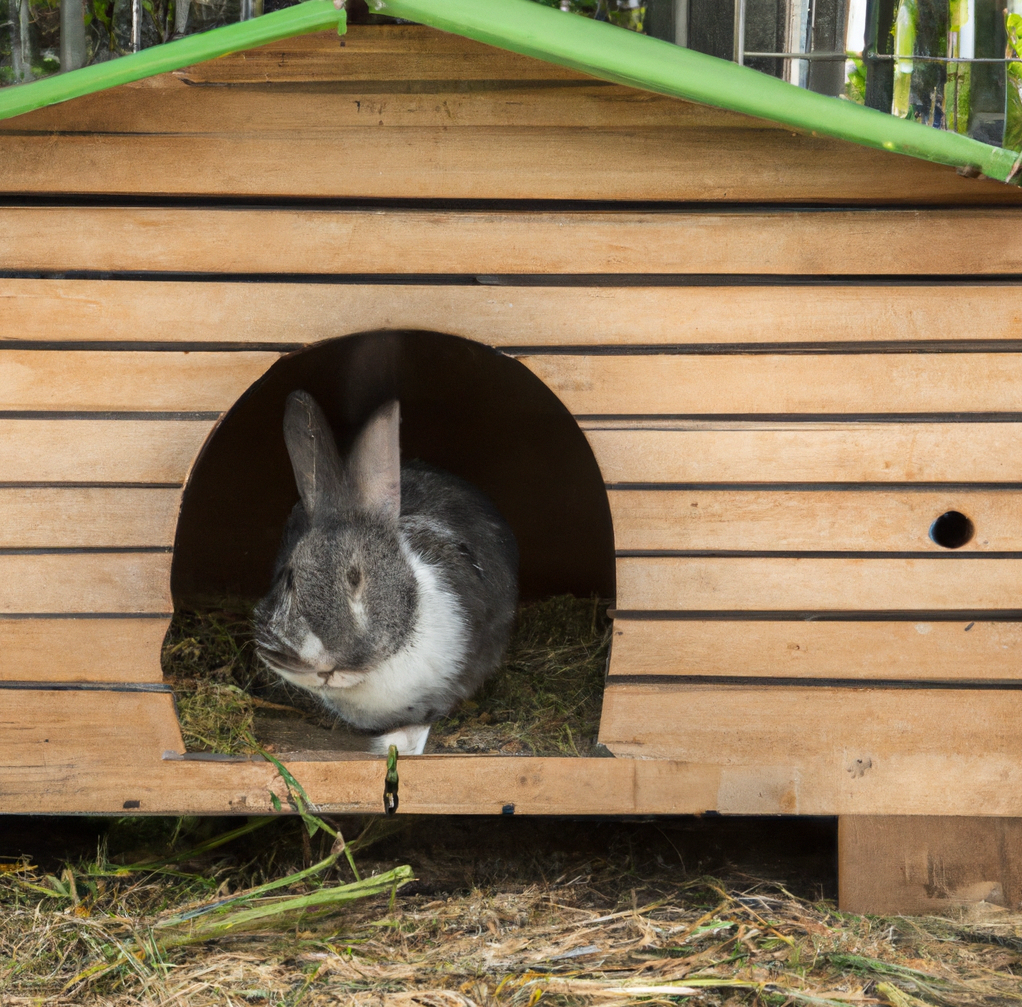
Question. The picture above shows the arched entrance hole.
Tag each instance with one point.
(471, 410)
(465, 407)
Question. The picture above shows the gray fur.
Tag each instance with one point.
(350, 570)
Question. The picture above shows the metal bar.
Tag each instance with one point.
(73, 50)
(136, 25)
(946, 59)
(882, 56)
(800, 55)
(739, 35)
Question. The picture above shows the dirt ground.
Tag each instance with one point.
(707, 911)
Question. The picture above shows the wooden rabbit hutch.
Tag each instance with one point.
(788, 356)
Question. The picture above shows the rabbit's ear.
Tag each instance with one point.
(373, 469)
(313, 453)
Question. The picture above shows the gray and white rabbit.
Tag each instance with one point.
(395, 586)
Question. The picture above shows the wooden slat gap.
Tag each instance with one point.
(947, 554)
(805, 615)
(155, 687)
(683, 682)
(823, 487)
(76, 550)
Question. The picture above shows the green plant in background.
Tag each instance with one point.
(1013, 79)
(100, 15)
(959, 75)
(29, 39)
(905, 29)
(855, 82)
(630, 14)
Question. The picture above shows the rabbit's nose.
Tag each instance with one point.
(325, 675)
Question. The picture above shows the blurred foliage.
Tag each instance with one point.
(1013, 121)
(29, 39)
(630, 14)
(855, 82)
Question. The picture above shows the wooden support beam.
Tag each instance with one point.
(903, 864)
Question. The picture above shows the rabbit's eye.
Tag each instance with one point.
(354, 577)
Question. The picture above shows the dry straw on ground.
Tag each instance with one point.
(545, 700)
(597, 930)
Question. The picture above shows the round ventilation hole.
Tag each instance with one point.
(952, 530)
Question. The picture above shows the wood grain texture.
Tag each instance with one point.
(71, 738)
(179, 311)
(429, 785)
(825, 750)
(783, 384)
(166, 104)
(305, 118)
(74, 380)
(484, 162)
(740, 583)
(88, 450)
(854, 650)
(94, 517)
(710, 452)
(903, 242)
(814, 520)
(81, 650)
(85, 582)
(374, 52)
(928, 864)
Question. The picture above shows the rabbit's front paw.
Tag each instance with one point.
(409, 740)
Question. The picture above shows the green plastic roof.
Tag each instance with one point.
(593, 47)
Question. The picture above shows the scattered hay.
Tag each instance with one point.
(605, 931)
(208, 661)
(545, 700)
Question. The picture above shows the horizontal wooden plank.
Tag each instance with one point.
(307, 90)
(931, 783)
(166, 104)
(486, 162)
(374, 52)
(100, 450)
(81, 650)
(816, 750)
(82, 780)
(783, 384)
(418, 241)
(93, 517)
(72, 380)
(812, 520)
(741, 583)
(711, 452)
(85, 582)
(69, 736)
(859, 650)
(181, 311)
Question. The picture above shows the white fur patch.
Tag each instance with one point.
(313, 653)
(410, 740)
(344, 679)
(432, 655)
(358, 612)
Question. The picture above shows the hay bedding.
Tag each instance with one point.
(545, 700)
(603, 931)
